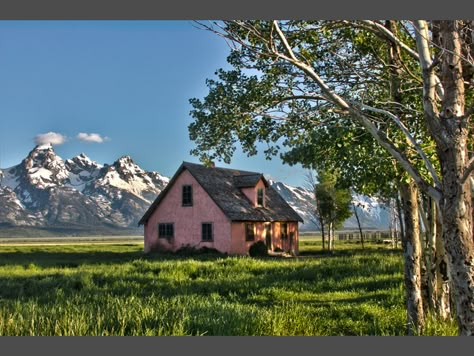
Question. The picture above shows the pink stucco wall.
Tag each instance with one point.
(229, 237)
(187, 220)
(251, 193)
(240, 246)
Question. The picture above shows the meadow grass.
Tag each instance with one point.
(117, 290)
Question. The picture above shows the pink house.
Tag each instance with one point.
(220, 208)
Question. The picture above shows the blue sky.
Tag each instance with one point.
(128, 82)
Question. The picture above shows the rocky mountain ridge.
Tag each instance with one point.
(44, 190)
(78, 193)
(372, 213)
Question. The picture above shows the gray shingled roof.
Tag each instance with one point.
(246, 180)
(223, 186)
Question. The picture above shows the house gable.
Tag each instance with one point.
(187, 220)
(211, 207)
(227, 188)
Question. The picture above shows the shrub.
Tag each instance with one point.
(259, 248)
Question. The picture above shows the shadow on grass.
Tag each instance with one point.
(65, 259)
(45, 289)
(349, 252)
(53, 258)
(217, 294)
(144, 278)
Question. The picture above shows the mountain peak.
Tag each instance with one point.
(42, 154)
(44, 146)
(126, 163)
(82, 161)
(42, 151)
(83, 158)
(126, 159)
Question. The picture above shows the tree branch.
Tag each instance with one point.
(382, 30)
(429, 83)
(379, 136)
(417, 147)
(427, 64)
(302, 97)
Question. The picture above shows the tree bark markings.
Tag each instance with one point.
(412, 257)
(456, 209)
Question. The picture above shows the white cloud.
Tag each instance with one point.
(92, 137)
(53, 138)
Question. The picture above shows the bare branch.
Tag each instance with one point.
(375, 26)
(427, 64)
(284, 40)
(302, 97)
(404, 129)
(429, 81)
(332, 97)
(213, 28)
(379, 136)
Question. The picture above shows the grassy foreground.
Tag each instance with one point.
(116, 290)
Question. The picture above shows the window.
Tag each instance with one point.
(206, 232)
(165, 230)
(187, 195)
(260, 196)
(284, 231)
(249, 232)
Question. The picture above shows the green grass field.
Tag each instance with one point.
(108, 289)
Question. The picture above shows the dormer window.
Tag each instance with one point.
(187, 197)
(260, 196)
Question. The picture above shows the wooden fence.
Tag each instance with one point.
(372, 236)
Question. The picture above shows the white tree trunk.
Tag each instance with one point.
(442, 296)
(449, 128)
(412, 258)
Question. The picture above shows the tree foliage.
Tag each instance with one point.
(334, 203)
(406, 86)
(264, 99)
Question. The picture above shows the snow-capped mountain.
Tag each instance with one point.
(46, 191)
(300, 199)
(372, 213)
